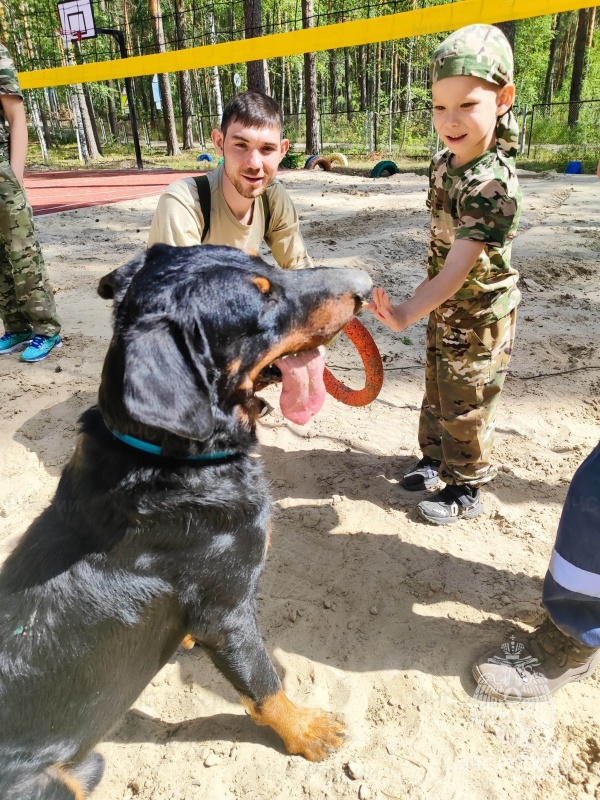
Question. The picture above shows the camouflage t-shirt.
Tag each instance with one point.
(480, 201)
(8, 85)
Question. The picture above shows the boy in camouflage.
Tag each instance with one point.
(26, 300)
(470, 291)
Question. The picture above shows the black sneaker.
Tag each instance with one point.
(451, 504)
(423, 476)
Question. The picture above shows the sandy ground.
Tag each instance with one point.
(367, 611)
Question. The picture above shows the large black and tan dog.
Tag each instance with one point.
(159, 526)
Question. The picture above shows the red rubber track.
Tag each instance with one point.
(371, 358)
(53, 191)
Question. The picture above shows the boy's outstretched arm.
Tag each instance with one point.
(429, 294)
(14, 112)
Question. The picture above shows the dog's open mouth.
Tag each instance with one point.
(303, 390)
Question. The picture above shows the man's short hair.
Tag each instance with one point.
(254, 110)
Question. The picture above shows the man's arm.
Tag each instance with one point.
(14, 113)
(430, 294)
(284, 237)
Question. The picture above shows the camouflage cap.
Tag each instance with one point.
(482, 51)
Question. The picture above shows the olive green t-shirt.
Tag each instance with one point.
(480, 201)
(178, 221)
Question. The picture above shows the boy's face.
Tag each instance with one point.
(251, 155)
(465, 113)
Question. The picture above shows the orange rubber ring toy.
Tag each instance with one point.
(371, 358)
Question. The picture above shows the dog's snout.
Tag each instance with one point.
(359, 283)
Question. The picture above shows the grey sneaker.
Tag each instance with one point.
(531, 667)
(424, 475)
(451, 504)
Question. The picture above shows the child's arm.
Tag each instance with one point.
(429, 294)
(14, 112)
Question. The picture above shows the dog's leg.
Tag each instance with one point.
(243, 659)
(89, 772)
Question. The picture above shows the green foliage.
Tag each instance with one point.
(293, 160)
(381, 77)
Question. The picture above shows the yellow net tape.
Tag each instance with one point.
(447, 17)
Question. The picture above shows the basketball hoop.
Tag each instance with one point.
(69, 36)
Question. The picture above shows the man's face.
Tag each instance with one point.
(465, 113)
(252, 156)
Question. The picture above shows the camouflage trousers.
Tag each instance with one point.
(26, 297)
(464, 375)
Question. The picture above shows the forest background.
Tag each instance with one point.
(369, 101)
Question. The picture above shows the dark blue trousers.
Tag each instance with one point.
(572, 585)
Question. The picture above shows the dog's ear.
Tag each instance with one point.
(165, 382)
(116, 282)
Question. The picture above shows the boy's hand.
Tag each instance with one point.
(384, 311)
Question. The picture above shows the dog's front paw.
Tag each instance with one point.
(315, 734)
(307, 732)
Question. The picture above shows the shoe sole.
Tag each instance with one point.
(41, 358)
(12, 349)
(422, 487)
(492, 694)
(451, 520)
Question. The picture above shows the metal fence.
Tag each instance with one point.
(409, 133)
(559, 124)
(359, 132)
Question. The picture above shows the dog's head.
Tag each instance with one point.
(196, 327)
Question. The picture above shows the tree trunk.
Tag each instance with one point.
(184, 81)
(564, 50)
(163, 81)
(283, 84)
(91, 115)
(86, 123)
(216, 80)
(41, 131)
(508, 29)
(300, 89)
(377, 93)
(310, 80)
(290, 92)
(113, 120)
(578, 64)
(256, 71)
(45, 124)
(548, 84)
(362, 56)
(348, 83)
(333, 83)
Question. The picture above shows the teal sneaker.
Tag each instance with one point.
(40, 346)
(13, 341)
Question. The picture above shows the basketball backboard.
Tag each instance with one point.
(76, 20)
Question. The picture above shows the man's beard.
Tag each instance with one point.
(245, 190)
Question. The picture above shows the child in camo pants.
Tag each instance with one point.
(470, 292)
(26, 299)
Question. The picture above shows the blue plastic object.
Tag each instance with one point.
(205, 157)
(574, 168)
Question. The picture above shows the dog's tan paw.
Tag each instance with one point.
(317, 735)
(307, 732)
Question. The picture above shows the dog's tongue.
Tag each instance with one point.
(303, 390)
